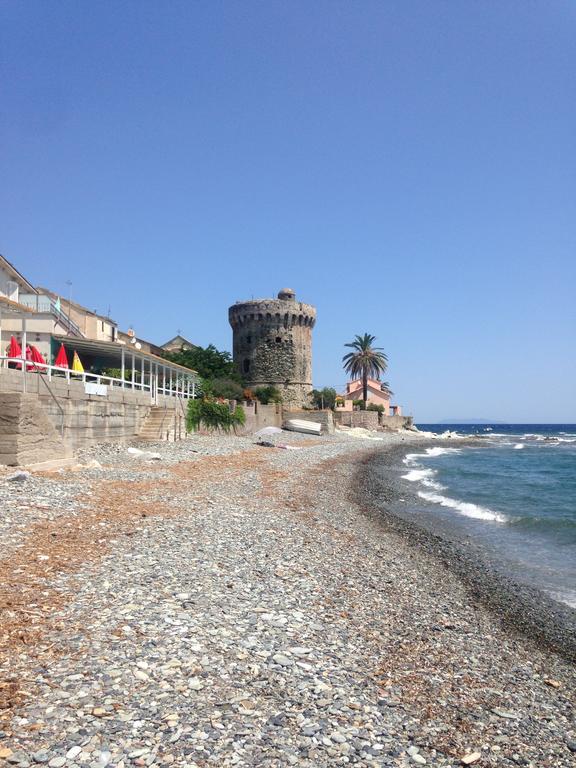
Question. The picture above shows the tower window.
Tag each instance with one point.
(278, 340)
(248, 339)
(246, 366)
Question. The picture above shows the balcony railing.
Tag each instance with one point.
(45, 304)
(175, 385)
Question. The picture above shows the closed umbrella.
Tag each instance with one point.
(61, 358)
(34, 354)
(76, 364)
(14, 350)
(37, 356)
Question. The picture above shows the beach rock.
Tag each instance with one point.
(19, 477)
(470, 758)
(57, 762)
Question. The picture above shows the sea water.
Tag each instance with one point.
(514, 493)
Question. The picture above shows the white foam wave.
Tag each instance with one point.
(567, 597)
(464, 508)
(424, 476)
(437, 451)
(518, 446)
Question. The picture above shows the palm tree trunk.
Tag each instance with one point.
(365, 388)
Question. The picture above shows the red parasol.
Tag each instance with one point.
(34, 357)
(61, 359)
(14, 350)
(37, 356)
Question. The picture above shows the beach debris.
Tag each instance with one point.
(506, 714)
(267, 444)
(470, 758)
(361, 432)
(19, 477)
(553, 683)
(268, 431)
(92, 464)
(144, 455)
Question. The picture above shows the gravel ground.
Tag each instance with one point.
(235, 605)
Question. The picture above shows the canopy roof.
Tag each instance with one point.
(106, 354)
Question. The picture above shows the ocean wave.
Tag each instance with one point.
(518, 446)
(411, 459)
(424, 476)
(437, 451)
(464, 508)
(565, 596)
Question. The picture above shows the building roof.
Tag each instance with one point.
(11, 268)
(180, 340)
(74, 304)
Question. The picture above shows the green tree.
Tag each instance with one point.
(269, 394)
(227, 388)
(210, 363)
(365, 362)
(324, 398)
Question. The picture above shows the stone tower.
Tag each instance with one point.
(272, 343)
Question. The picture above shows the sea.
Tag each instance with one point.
(512, 491)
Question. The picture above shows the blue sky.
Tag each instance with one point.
(408, 167)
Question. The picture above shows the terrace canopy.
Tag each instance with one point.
(129, 366)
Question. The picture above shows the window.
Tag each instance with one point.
(278, 340)
(246, 366)
(248, 339)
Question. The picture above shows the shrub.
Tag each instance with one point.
(227, 388)
(374, 407)
(324, 398)
(358, 404)
(213, 415)
(267, 395)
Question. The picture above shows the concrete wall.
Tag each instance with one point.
(260, 416)
(370, 420)
(326, 418)
(366, 419)
(84, 419)
(27, 435)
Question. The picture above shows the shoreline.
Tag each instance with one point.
(524, 608)
(233, 605)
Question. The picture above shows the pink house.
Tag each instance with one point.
(375, 396)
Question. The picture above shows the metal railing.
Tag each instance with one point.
(46, 304)
(49, 388)
(174, 386)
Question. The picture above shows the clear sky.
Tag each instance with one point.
(407, 166)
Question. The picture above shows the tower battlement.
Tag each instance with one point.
(272, 344)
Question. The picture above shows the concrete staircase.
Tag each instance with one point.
(159, 425)
(164, 424)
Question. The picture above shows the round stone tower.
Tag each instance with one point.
(272, 344)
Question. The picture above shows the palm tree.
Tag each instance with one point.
(365, 362)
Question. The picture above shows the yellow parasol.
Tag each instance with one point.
(76, 364)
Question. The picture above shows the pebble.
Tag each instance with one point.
(263, 623)
(471, 758)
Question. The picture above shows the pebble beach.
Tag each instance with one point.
(221, 603)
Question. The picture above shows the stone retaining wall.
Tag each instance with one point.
(27, 436)
(84, 419)
(370, 420)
